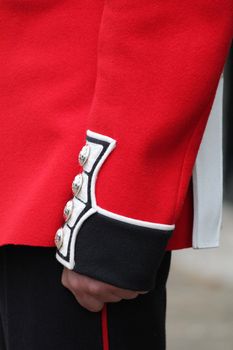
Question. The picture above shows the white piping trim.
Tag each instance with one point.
(107, 213)
(75, 233)
(100, 137)
(71, 263)
(65, 263)
(111, 146)
(136, 222)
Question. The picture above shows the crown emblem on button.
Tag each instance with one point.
(77, 184)
(59, 238)
(68, 210)
(84, 154)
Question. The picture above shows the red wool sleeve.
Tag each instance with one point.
(159, 63)
(158, 68)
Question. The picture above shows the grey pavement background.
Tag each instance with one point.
(200, 295)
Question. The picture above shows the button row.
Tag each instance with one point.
(76, 188)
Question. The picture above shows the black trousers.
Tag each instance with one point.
(38, 313)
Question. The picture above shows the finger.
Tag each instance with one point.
(101, 292)
(109, 298)
(122, 293)
(82, 285)
(64, 278)
(104, 298)
(125, 294)
(89, 303)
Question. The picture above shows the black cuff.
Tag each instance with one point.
(119, 253)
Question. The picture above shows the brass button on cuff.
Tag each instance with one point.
(68, 210)
(59, 238)
(77, 184)
(84, 154)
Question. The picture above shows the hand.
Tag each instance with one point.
(91, 293)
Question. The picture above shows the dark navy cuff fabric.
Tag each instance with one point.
(119, 253)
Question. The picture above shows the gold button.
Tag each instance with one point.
(59, 238)
(77, 184)
(84, 154)
(68, 210)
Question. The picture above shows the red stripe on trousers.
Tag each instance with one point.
(104, 319)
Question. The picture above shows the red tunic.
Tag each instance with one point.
(142, 72)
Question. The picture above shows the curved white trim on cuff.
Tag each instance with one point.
(153, 225)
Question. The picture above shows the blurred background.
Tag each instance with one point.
(200, 287)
